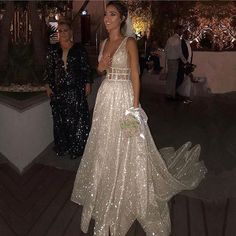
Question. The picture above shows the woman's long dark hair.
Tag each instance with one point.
(121, 8)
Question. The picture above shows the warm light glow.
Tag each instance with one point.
(213, 26)
(57, 16)
(139, 25)
(141, 17)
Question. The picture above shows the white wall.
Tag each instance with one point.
(23, 136)
(96, 12)
(219, 69)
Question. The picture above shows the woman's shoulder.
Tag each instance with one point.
(102, 42)
(131, 42)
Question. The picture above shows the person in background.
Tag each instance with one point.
(182, 74)
(174, 53)
(122, 176)
(153, 60)
(68, 78)
(142, 44)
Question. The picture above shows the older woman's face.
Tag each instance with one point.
(65, 33)
(112, 18)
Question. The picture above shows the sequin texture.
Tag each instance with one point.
(121, 179)
(69, 105)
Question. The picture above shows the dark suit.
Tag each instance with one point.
(180, 74)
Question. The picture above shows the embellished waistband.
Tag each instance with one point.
(118, 74)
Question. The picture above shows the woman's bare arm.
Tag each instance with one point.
(134, 65)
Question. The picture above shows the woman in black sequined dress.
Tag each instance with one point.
(68, 78)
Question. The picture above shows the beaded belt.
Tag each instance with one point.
(118, 74)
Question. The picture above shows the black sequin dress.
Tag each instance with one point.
(69, 105)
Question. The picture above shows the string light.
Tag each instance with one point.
(214, 23)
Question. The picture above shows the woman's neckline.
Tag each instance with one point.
(117, 47)
(67, 48)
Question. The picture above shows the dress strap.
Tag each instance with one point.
(123, 42)
(103, 45)
(120, 46)
(102, 48)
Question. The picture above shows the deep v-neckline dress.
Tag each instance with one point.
(122, 179)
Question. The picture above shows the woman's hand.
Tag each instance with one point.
(136, 105)
(48, 91)
(88, 89)
(104, 63)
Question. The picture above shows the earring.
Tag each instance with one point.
(71, 39)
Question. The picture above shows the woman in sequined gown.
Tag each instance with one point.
(68, 83)
(122, 179)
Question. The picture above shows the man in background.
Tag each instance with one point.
(183, 83)
(174, 53)
(188, 55)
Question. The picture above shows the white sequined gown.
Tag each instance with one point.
(122, 179)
